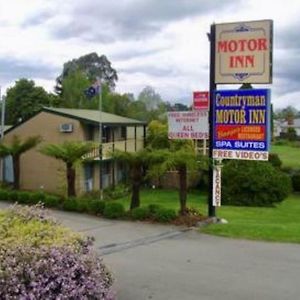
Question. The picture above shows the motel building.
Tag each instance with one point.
(58, 125)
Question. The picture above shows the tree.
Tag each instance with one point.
(136, 162)
(116, 104)
(23, 100)
(92, 66)
(181, 159)
(70, 153)
(73, 86)
(289, 113)
(16, 148)
(157, 135)
(150, 98)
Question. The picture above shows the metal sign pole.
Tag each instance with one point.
(100, 140)
(212, 88)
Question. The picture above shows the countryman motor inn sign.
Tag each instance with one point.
(243, 52)
(241, 122)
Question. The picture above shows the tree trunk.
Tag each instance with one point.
(136, 175)
(71, 180)
(16, 167)
(135, 197)
(182, 189)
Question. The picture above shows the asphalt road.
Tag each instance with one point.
(165, 262)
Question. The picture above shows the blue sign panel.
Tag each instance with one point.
(241, 122)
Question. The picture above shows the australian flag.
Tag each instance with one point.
(93, 90)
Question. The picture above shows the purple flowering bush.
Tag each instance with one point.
(49, 271)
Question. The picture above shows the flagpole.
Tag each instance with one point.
(2, 99)
(100, 142)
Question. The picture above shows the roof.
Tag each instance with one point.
(84, 115)
(93, 116)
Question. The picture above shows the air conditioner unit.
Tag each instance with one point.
(66, 127)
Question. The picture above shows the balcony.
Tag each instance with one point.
(129, 145)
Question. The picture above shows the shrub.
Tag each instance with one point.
(41, 260)
(114, 210)
(82, 205)
(116, 192)
(32, 226)
(153, 208)
(140, 213)
(253, 183)
(4, 195)
(70, 204)
(296, 181)
(51, 201)
(13, 196)
(165, 215)
(23, 197)
(275, 160)
(96, 207)
(52, 273)
(37, 197)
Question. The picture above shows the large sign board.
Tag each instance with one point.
(243, 52)
(200, 100)
(188, 125)
(241, 124)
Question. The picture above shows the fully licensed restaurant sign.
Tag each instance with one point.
(243, 52)
(241, 124)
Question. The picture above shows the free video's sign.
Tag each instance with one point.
(241, 123)
(243, 52)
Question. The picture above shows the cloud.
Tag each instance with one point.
(124, 19)
(38, 18)
(13, 69)
(155, 71)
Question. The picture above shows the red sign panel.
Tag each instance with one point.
(200, 100)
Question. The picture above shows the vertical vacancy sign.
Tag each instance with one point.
(241, 122)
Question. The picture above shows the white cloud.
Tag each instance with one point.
(149, 42)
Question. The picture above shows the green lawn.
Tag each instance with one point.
(168, 199)
(289, 155)
(281, 223)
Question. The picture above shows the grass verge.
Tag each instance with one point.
(280, 224)
(289, 155)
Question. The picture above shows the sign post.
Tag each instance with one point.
(238, 120)
(212, 87)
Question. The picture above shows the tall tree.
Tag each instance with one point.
(70, 153)
(92, 66)
(16, 148)
(150, 98)
(288, 113)
(182, 160)
(157, 136)
(73, 86)
(136, 163)
(23, 100)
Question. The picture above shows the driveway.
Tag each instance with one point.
(166, 262)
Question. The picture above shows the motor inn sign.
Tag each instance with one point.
(243, 52)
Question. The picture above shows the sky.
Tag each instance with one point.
(158, 43)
